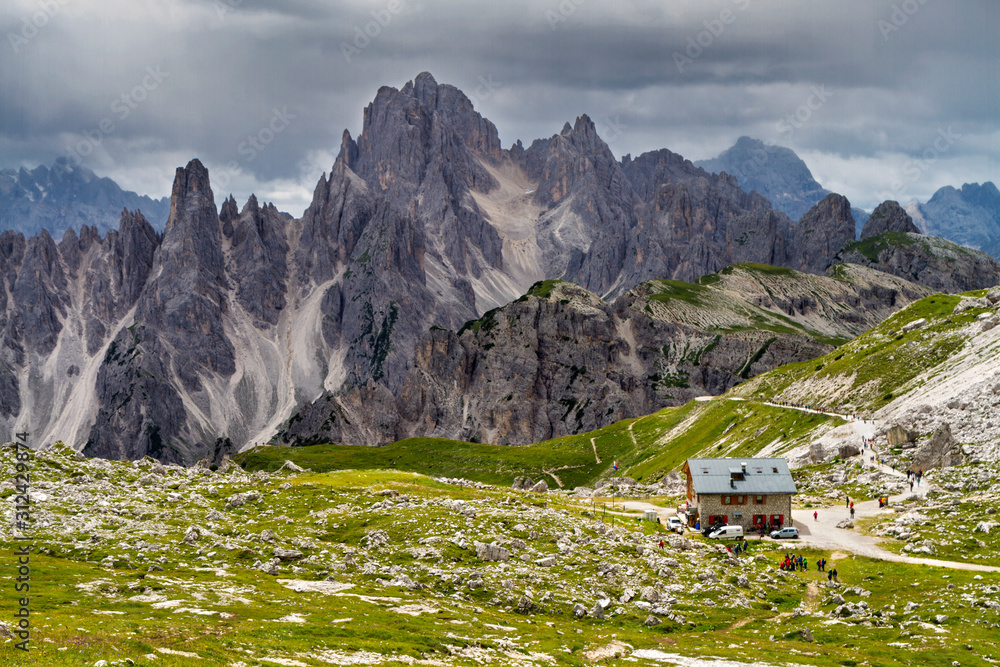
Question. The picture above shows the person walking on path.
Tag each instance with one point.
(815, 516)
(852, 512)
(847, 501)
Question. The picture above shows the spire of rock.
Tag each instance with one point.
(186, 300)
(348, 150)
(888, 217)
(822, 233)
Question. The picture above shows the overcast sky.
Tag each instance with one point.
(879, 97)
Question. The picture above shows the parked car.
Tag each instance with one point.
(788, 532)
(727, 533)
(675, 524)
(708, 530)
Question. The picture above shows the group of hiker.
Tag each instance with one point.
(794, 563)
(821, 410)
(800, 406)
(740, 548)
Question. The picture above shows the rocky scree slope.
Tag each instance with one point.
(930, 369)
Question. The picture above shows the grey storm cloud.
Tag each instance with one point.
(262, 90)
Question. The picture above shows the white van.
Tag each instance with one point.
(728, 533)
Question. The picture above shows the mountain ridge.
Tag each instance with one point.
(969, 215)
(776, 172)
(66, 196)
(239, 323)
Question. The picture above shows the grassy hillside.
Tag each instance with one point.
(711, 305)
(646, 448)
(567, 462)
(868, 372)
(858, 377)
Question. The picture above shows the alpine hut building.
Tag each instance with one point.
(752, 493)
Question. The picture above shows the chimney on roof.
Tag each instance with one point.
(744, 464)
(732, 483)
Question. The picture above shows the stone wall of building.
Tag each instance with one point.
(712, 505)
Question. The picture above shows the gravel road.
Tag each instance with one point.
(823, 532)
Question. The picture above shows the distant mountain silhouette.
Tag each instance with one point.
(66, 196)
(777, 173)
(970, 216)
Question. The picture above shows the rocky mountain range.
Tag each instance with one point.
(970, 216)
(67, 196)
(775, 172)
(236, 324)
(891, 242)
(560, 360)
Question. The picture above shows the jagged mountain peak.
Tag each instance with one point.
(191, 195)
(985, 194)
(348, 149)
(425, 89)
(228, 214)
(415, 106)
(774, 171)
(584, 134)
(969, 215)
(252, 206)
(888, 216)
(834, 202)
(67, 195)
(236, 323)
(822, 232)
